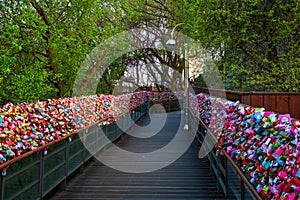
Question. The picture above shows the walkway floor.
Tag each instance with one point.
(187, 178)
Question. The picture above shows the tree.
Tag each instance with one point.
(255, 43)
(43, 43)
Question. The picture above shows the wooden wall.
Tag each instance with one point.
(281, 102)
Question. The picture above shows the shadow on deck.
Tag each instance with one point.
(187, 178)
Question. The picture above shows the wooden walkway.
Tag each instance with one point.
(187, 178)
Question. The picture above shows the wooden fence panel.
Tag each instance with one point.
(282, 103)
(294, 106)
(273, 101)
(257, 100)
(270, 102)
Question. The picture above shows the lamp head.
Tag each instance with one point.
(171, 43)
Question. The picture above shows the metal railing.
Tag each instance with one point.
(231, 180)
(36, 174)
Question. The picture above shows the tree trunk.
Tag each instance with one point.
(42, 13)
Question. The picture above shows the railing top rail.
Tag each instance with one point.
(240, 173)
(40, 148)
(247, 93)
(235, 166)
(22, 156)
(27, 154)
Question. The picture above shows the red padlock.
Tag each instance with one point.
(298, 161)
(287, 188)
(295, 181)
(289, 170)
(296, 123)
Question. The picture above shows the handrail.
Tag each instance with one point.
(68, 164)
(22, 156)
(245, 180)
(235, 166)
(245, 92)
(204, 125)
(27, 154)
(141, 108)
(288, 101)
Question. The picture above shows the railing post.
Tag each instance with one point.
(106, 130)
(169, 109)
(226, 178)
(2, 187)
(41, 175)
(141, 110)
(84, 152)
(95, 127)
(128, 120)
(210, 161)
(136, 114)
(147, 106)
(242, 190)
(116, 133)
(219, 175)
(64, 184)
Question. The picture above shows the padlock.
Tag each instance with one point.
(217, 152)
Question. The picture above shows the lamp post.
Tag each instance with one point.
(171, 43)
(186, 78)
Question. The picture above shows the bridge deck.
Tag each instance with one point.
(187, 178)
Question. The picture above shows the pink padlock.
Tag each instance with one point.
(282, 174)
(280, 186)
(279, 151)
(292, 196)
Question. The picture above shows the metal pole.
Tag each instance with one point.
(186, 79)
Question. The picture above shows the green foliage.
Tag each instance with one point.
(109, 78)
(256, 41)
(43, 43)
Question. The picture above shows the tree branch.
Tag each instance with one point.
(42, 13)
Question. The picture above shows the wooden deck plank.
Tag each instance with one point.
(187, 178)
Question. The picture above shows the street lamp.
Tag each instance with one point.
(171, 44)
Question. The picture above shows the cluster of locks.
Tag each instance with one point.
(264, 144)
(26, 126)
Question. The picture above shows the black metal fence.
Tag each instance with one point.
(35, 176)
(231, 181)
